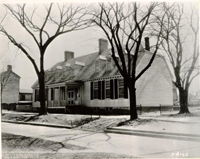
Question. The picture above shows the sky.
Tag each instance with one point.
(80, 42)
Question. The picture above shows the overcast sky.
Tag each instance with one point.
(80, 42)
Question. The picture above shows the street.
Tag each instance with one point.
(108, 142)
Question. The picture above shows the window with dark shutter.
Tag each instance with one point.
(91, 91)
(99, 89)
(116, 88)
(111, 90)
(121, 88)
(107, 84)
(103, 89)
(95, 90)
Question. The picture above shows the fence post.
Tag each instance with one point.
(160, 109)
(140, 109)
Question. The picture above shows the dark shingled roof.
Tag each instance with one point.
(57, 75)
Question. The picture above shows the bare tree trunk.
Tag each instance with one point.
(133, 106)
(183, 96)
(43, 109)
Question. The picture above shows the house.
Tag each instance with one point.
(9, 88)
(25, 95)
(25, 100)
(93, 81)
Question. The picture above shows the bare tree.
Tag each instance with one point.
(125, 25)
(181, 34)
(43, 30)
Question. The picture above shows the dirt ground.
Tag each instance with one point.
(20, 147)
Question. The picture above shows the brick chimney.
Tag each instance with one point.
(69, 55)
(147, 45)
(103, 45)
(9, 68)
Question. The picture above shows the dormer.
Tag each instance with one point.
(100, 62)
(59, 67)
(68, 65)
(77, 67)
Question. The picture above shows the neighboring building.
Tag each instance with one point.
(93, 81)
(194, 99)
(25, 100)
(25, 95)
(9, 88)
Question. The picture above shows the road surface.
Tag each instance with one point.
(107, 142)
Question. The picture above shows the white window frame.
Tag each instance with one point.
(95, 88)
(120, 87)
(107, 88)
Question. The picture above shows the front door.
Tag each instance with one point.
(71, 97)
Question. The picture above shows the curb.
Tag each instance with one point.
(38, 124)
(155, 134)
(168, 120)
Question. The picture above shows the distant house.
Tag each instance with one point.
(25, 100)
(93, 81)
(9, 88)
(25, 95)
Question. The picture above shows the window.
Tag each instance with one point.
(121, 88)
(95, 90)
(107, 89)
(21, 97)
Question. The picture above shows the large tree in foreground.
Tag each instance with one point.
(125, 25)
(43, 23)
(181, 44)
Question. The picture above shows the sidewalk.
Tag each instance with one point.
(140, 146)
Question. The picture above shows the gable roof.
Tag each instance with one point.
(63, 71)
(5, 73)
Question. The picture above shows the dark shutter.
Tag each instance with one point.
(99, 89)
(111, 90)
(125, 90)
(103, 89)
(35, 95)
(91, 91)
(116, 89)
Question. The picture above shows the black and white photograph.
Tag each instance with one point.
(99, 79)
